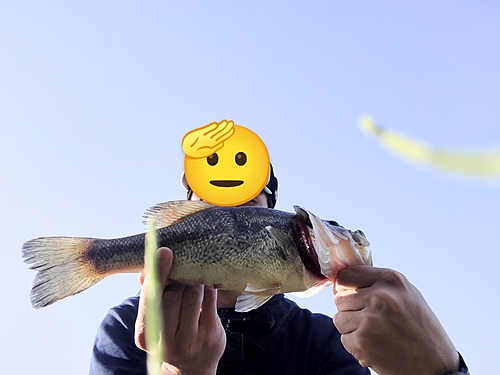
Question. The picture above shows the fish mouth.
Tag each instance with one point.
(327, 247)
(226, 183)
(306, 245)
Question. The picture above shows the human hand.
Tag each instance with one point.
(205, 141)
(192, 338)
(387, 325)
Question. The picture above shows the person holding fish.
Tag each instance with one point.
(226, 258)
(383, 320)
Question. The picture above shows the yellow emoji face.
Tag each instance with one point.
(235, 174)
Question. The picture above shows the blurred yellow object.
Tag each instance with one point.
(478, 164)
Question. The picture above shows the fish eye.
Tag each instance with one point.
(240, 158)
(213, 159)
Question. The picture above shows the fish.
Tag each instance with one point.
(256, 251)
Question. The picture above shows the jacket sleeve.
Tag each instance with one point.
(114, 350)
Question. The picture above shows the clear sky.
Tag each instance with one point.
(95, 97)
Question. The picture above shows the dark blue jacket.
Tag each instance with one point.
(278, 338)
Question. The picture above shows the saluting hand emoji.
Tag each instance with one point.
(205, 141)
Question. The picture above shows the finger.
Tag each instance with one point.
(351, 342)
(226, 135)
(141, 276)
(347, 322)
(171, 305)
(225, 132)
(208, 313)
(221, 127)
(351, 300)
(207, 129)
(190, 309)
(140, 322)
(357, 277)
(164, 263)
(172, 294)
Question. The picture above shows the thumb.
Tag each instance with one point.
(165, 259)
(355, 277)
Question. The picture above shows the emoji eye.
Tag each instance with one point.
(213, 159)
(240, 158)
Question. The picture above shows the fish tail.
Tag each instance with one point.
(63, 268)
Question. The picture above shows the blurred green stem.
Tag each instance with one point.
(153, 293)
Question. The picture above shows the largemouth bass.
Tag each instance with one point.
(253, 250)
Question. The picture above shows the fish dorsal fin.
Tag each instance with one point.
(247, 302)
(169, 213)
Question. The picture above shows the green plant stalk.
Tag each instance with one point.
(153, 294)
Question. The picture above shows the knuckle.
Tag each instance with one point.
(341, 321)
(381, 301)
(194, 294)
(338, 321)
(394, 279)
(194, 290)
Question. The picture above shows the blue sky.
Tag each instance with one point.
(95, 98)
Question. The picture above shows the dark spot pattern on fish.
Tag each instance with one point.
(121, 253)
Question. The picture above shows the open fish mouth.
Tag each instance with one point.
(326, 247)
(226, 183)
(307, 249)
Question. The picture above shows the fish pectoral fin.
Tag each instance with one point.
(313, 290)
(253, 288)
(255, 296)
(250, 301)
(169, 213)
(284, 239)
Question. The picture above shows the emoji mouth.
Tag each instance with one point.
(226, 183)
